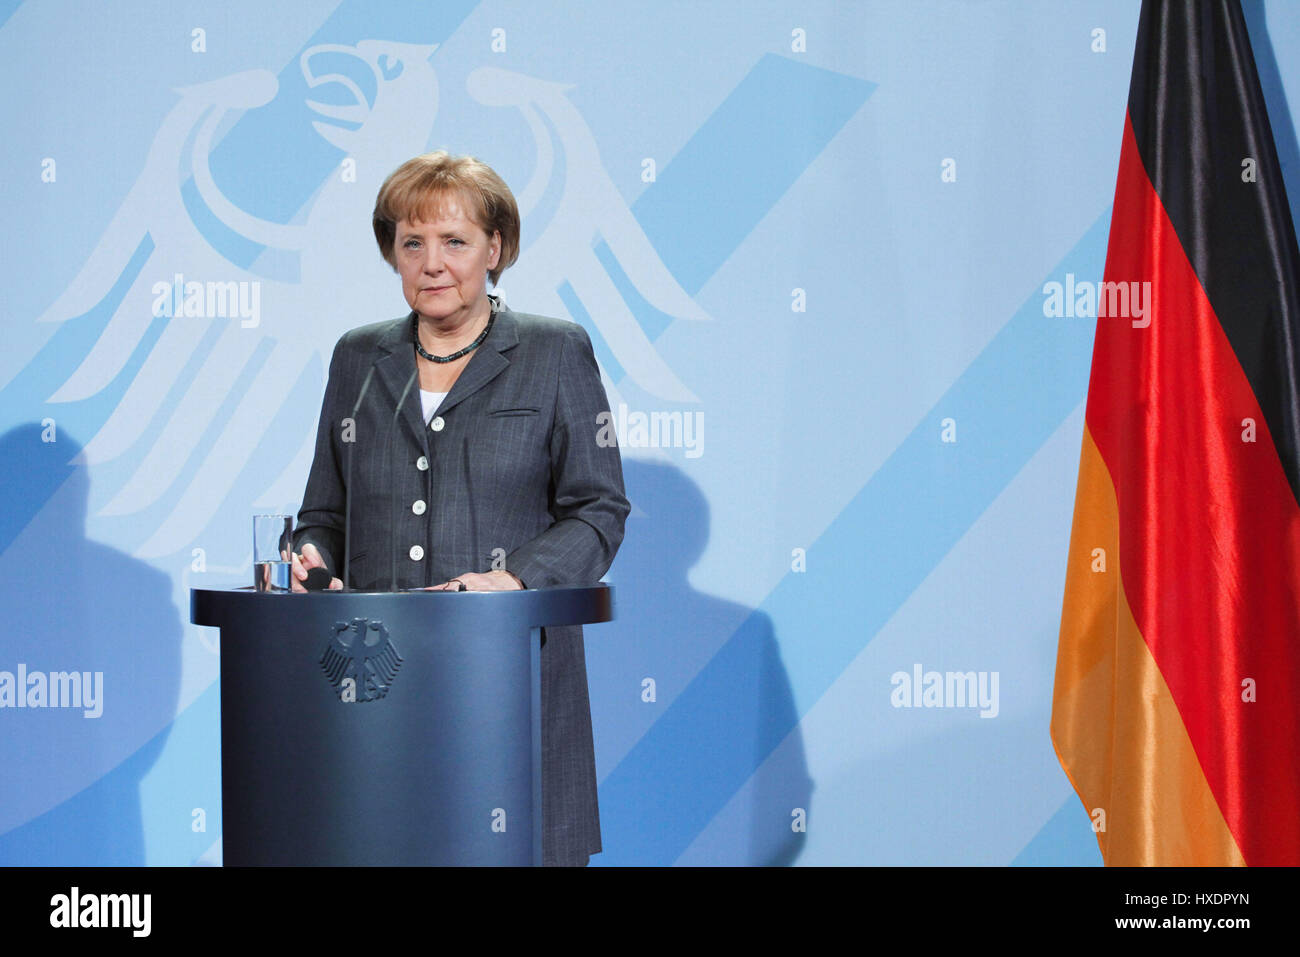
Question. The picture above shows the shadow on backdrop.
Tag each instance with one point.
(70, 791)
(724, 706)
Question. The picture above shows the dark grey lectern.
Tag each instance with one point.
(384, 728)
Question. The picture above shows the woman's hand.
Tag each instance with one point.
(473, 581)
(309, 559)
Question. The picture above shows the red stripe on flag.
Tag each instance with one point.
(1209, 527)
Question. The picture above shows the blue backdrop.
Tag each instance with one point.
(810, 243)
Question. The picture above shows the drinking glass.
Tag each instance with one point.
(272, 552)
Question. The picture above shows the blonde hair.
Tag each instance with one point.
(419, 188)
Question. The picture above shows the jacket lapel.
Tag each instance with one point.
(487, 362)
(394, 368)
(396, 364)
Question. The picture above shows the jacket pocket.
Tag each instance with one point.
(359, 571)
(505, 413)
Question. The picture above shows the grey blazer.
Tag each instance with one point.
(509, 466)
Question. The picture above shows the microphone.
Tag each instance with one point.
(388, 457)
(318, 579)
(347, 492)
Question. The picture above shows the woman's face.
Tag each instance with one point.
(444, 264)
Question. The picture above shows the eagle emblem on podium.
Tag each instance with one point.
(360, 660)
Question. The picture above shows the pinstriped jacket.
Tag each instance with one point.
(509, 464)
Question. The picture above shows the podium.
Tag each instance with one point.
(394, 728)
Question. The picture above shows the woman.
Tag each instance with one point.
(489, 476)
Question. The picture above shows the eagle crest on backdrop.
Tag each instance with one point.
(171, 403)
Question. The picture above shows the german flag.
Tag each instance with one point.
(1176, 711)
